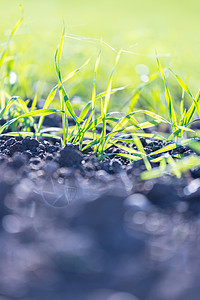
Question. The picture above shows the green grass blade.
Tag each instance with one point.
(46, 105)
(109, 87)
(173, 165)
(135, 98)
(94, 95)
(171, 110)
(193, 108)
(130, 150)
(180, 166)
(182, 104)
(36, 113)
(21, 104)
(182, 83)
(88, 105)
(52, 93)
(65, 103)
(61, 88)
(113, 91)
(165, 149)
(104, 108)
(34, 103)
(120, 126)
(74, 72)
(3, 54)
(141, 149)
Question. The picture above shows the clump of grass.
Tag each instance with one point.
(124, 127)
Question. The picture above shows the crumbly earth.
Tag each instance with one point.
(73, 227)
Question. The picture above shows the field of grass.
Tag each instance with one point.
(171, 28)
(139, 42)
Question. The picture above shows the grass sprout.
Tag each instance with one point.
(96, 127)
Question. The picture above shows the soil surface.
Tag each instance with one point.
(73, 227)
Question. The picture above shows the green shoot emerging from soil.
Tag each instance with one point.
(93, 125)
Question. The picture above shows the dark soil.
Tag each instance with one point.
(73, 227)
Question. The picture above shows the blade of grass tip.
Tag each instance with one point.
(57, 63)
(108, 91)
(3, 54)
(94, 92)
(136, 93)
(171, 110)
(34, 103)
(194, 107)
(165, 149)
(187, 90)
(107, 99)
(182, 83)
(152, 115)
(71, 74)
(85, 110)
(135, 97)
(52, 93)
(103, 94)
(66, 103)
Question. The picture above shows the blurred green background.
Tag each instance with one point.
(170, 27)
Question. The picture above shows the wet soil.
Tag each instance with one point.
(73, 227)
